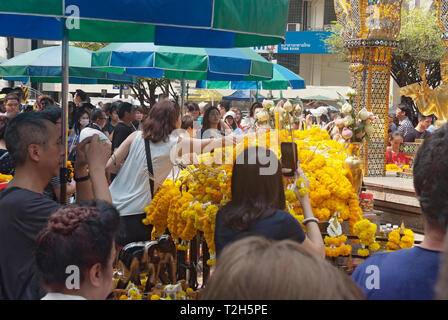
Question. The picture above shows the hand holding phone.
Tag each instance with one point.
(289, 158)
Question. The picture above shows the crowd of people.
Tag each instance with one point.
(402, 130)
(121, 155)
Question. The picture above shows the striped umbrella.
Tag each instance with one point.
(200, 23)
(282, 79)
(150, 60)
(44, 65)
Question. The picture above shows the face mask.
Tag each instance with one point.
(84, 122)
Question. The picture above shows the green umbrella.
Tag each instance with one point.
(153, 61)
(44, 65)
(198, 23)
(282, 79)
(319, 98)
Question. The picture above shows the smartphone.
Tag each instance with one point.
(289, 157)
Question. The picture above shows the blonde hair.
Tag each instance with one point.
(255, 268)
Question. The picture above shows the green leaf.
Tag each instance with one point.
(369, 141)
(342, 100)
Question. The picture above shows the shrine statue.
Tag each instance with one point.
(166, 268)
(431, 101)
(136, 258)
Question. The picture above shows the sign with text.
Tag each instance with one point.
(305, 42)
(266, 49)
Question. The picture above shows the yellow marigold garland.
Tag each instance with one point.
(189, 204)
(365, 231)
(396, 241)
(5, 178)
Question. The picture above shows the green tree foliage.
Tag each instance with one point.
(419, 41)
(93, 46)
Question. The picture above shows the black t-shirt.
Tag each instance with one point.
(108, 127)
(280, 226)
(121, 132)
(23, 215)
(415, 134)
(49, 189)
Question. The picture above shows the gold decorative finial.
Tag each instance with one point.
(430, 101)
(369, 19)
(402, 228)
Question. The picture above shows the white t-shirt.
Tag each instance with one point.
(61, 296)
(130, 190)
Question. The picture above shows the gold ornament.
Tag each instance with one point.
(370, 28)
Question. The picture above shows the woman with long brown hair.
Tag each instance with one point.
(143, 161)
(258, 205)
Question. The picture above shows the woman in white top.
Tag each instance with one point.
(249, 124)
(131, 191)
(76, 252)
(230, 119)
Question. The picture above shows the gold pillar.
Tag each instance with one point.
(369, 31)
(442, 13)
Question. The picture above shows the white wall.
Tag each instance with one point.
(3, 54)
(317, 13)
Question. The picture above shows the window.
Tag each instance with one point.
(329, 14)
(295, 11)
(306, 16)
(290, 61)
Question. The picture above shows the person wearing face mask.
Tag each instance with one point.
(82, 120)
(96, 126)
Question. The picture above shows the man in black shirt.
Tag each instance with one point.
(421, 130)
(35, 145)
(124, 128)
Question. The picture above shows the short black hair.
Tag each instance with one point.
(25, 129)
(423, 117)
(256, 105)
(394, 134)
(52, 113)
(96, 114)
(6, 90)
(193, 106)
(430, 177)
(12, 96)
(3, 124)
(106, 107)
(406, 109)
(114, 106)
(123, 108)
(187, 122)
(19, 92)
(225, 104)
(81, 94)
